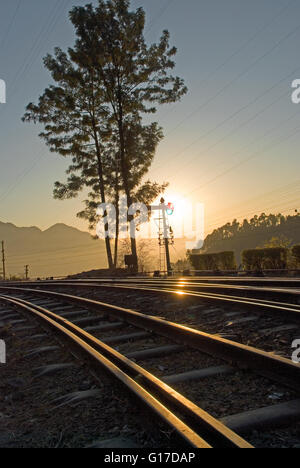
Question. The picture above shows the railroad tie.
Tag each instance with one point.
(155, 352)
(198, 374)
(44, 349)
(124, 338)
(106, 327)
(264, 418)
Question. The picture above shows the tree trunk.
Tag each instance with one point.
(125, 174)
(103, 199)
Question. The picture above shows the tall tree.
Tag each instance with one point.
(94, 111)
(76, 122)
(135, 77)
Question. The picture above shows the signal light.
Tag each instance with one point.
(170, 209)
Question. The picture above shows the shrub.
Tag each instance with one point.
(213, 261)
(296, 253)
(265, 259)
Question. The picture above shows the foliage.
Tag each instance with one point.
(213, 261)
(281, 241)
(93, 112)
(296, 254)
(144, 250)
(250, 234)
(265, 259)
(134, 77)
(182, 264)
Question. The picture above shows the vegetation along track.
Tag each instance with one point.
(244, 388)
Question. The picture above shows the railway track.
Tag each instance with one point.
(176, 360)
(267, 324)
(266, 282)
(287, 294)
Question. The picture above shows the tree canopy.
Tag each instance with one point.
(259, 231)
(94, 111)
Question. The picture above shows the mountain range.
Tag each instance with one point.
(62, 250)
(57, 251)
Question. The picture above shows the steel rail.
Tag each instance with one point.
(290, 311)
(223, 280)
(271, 366)
(214, 288)
(257, 301)
(126, 371)
(247, 291)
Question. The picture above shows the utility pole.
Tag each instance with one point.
(26, 272)
(3, 261)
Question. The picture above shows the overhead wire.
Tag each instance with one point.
(10, 25)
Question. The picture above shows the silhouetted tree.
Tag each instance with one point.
(93, 112)
(260, 231)
(110, 39)
(280, 241)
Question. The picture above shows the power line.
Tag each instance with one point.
(51, 252)
(279, 205)
(158, 16)
(45, 255)
(241, 125)
(240, 75)
(46, 29)
(245, 44)
(279, 208)
(237, 112)
(20, 177)
(249, 235)
(280, 191)
(254, 155)
(6, 33)
(22, 70)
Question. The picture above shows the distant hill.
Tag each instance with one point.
(253, 233)
(58, 251)
(62, 250)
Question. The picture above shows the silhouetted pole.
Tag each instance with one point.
(3, 261)
(26, 272)
(166, 236)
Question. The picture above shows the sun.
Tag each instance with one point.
(181, 209)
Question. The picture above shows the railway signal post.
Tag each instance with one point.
(166, 230)
(166, 236)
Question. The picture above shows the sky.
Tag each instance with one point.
(232, 143)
